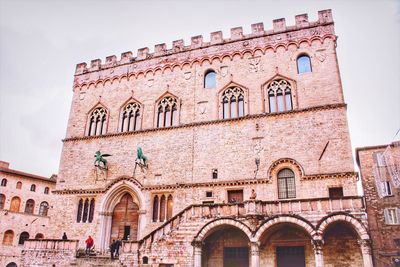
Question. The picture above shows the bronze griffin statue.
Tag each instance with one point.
(100, 161)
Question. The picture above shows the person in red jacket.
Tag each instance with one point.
(89, 244)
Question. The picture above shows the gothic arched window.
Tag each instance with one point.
(162, 208)
(233, 103)
(2, 201)
(19, 185)
(169, 207)
(33, 188)
(167, 112)
(80, 209)
(91, 210)
(15, 203)
(8, 238)
(97, 122)
(286, 184)
(4, 182)
(155, 209)
(130, 120)
(303, 64)
(279, 96)
(85, 210)
(46, 190)
(22, 237)
(210, 79)
(29, 206)
(43, 209)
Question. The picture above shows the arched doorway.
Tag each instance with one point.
(227, 246)
(286, 245)
(125, 219)
(11, 264)
(341, 247)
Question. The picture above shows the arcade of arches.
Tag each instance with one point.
(281, 245)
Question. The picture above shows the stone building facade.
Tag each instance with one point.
(380, 173)
(247, 157)
(25, 207)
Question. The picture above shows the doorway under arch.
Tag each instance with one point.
(125, 219)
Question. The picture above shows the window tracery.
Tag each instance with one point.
(162, 207)
(85, 212)
(46, 190)
(130, 117)
(279, 96)
(4, 182)
(97, 122)
(167, 114)
(33, 187)
(233, 103)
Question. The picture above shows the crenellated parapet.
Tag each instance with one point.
(218, 48)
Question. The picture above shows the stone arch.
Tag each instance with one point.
(112, 197)
(297, 221)
(210, 227)
(282, 163)
(341, 217)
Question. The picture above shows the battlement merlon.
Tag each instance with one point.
(216, 38)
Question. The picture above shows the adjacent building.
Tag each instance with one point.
(25, 204)
(228, 152)
(380, 173)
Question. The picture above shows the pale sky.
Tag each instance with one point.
(42, 41)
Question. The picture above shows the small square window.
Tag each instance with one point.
(214, 173)
(335, 192)
(209, 194)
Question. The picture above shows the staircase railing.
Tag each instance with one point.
(254, 207)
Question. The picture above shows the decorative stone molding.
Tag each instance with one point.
(211, 122)
(357, 225)
(365, 245)
(220, 222)
(284, 163)
(306, 226)
(317, 245)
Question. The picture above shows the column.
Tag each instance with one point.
(318, 252)
(255, 254)
(365, 246)
(197, 253)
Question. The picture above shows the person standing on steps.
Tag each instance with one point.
(89, 244)
(112, 249)
(118, 244)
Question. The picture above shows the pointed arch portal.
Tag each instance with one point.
(121, 215)
(125, 219)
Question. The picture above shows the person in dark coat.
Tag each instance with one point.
(118, 244)
(64, 237)
(112, 249)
